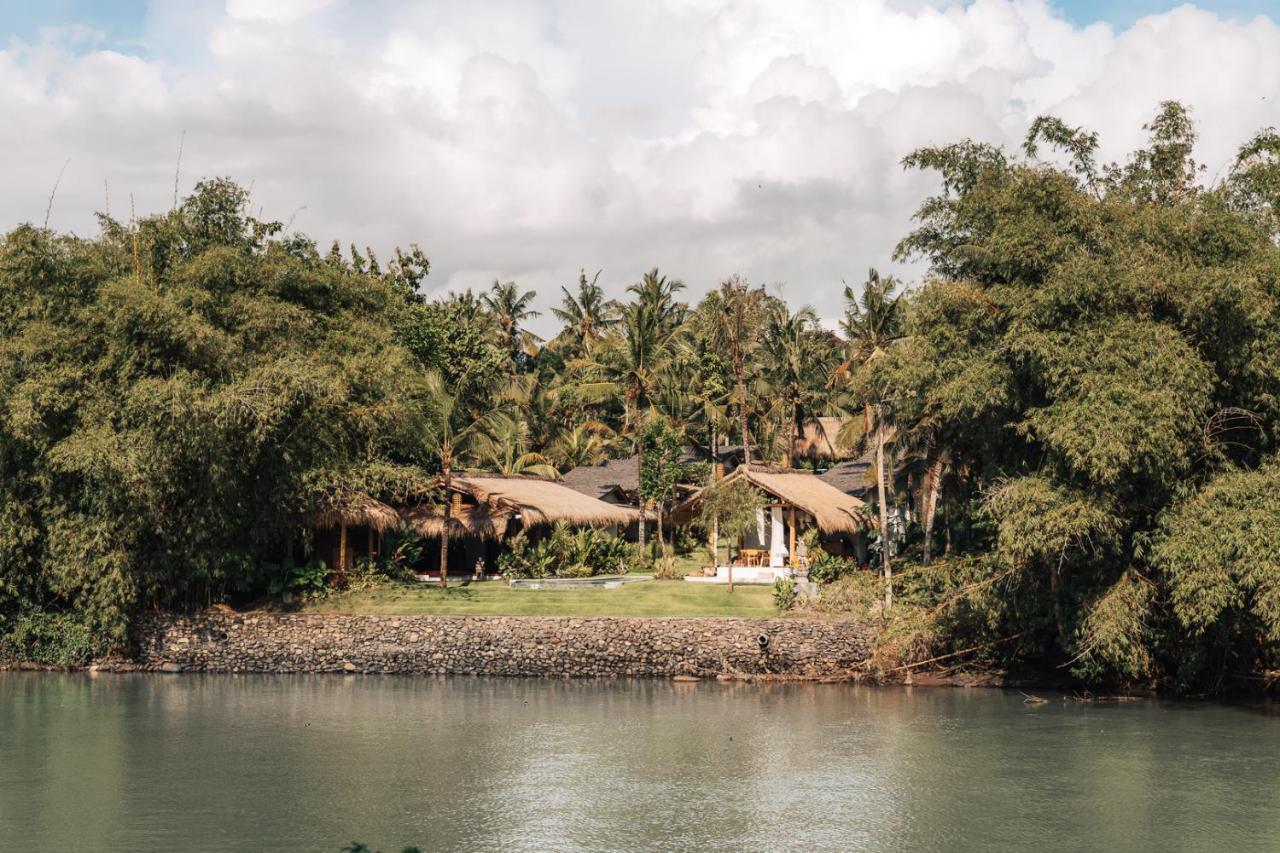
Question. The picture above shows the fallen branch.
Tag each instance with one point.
(957, 654)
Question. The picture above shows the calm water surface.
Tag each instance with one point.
(218, 763)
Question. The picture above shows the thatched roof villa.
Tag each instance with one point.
(487, 508)
(350, 526)
(795, 500)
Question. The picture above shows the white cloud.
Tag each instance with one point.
(527, 140)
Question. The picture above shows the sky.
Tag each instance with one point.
(528, 140)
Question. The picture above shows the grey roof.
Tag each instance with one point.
(599, 480)
(853, 477)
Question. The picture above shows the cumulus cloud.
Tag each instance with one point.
(527, 140)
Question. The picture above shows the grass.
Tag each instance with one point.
(495, 598)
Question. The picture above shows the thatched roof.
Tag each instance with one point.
(464, 520)
(356, 510)
(832, 510)
(818, 439)
(542, 501)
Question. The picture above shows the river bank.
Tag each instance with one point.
(778, 649)
(542, 646)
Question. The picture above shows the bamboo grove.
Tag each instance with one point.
(1077, 402)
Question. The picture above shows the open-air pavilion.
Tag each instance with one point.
(794, 501)
(486, 509)
(350, 527)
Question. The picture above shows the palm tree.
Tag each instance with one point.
(509, 308)
(797, 366)
(449, 440)
(502, 446)
(586, 316)
(583, 444)
(735, 320)
(871, 324)
(638, 349)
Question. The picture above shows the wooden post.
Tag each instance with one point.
(791, 552)
(342, 551)
(369, 551)
(730, 566)
(453, 503)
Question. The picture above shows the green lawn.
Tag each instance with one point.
(495, 598)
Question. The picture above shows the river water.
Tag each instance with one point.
(310, 763)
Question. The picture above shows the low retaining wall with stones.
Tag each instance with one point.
(509, 646)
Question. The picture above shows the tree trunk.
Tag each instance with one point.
(715, 544)
(932, 493)
(662, 542)
(1059, 621)
(444, 530)
(342, 553)
(946, 534)
(793, 437)
(884, 513)
(729, 567)
(742, 416)
(639, 479)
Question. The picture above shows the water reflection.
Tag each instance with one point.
(152, 763)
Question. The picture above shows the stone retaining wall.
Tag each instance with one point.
(515, 646)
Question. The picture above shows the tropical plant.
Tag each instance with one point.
(168, 390)
(633, 355)
(784, 593)
(734, 318)
(586, 315)
(798, 362)
(1098, 345)
(583, 444)
(501, 445)
(450, 440)
(872, 323)
(510, 307)
(730, 508)
(565, 552)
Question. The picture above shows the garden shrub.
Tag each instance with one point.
(565, 553)
(784, 593)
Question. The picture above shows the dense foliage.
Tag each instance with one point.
(566, 553)
(172, 396)
(1094, 362)
(1071, 422)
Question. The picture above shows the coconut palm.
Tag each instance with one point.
(450, 440)
(586, 316)
(583, 444)
(642, 345)
(797, 362)
(871, 324)
(502, 446)
(509, 308)
(735, 316)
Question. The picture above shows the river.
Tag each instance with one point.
(263, 763)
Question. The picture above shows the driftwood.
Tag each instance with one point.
(958, 653)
